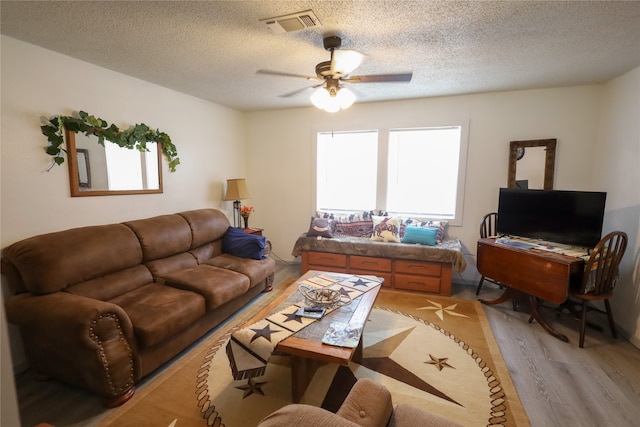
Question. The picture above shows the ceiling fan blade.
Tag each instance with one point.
(299, 91)
(285, 74)
(380, 78)
(346, 61)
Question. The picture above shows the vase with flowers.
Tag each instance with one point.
(245, 211)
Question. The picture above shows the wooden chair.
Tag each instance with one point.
(599, 280)
(487, 229)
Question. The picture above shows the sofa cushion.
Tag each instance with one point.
(50, 262)
(158, 312)
(237, 242)
(407, 415)
(206, 225)
(160, 267)
(162, 236)
(114, 284)
(256, 270)
(216, 285)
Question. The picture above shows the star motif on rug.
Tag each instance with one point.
(440, 310)
(439, 363)
(264, 333)
(251, 387)
(292, 317)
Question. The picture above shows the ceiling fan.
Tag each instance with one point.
(331, 94)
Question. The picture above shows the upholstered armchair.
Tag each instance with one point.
(367, 405)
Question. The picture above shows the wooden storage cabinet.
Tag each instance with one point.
(422, 276)
(368, 263)
(324, 261)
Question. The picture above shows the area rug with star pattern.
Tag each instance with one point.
(435, 353)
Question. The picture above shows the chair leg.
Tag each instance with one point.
(612, 325)
(583, 323)
(480, 285)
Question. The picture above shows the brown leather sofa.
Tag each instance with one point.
(101, 307)
(367, 405)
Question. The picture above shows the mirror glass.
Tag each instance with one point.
(532, 164)
(95, 170)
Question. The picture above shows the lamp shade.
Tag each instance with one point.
(236, 190)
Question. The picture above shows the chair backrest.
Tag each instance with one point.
(601, 270)
(488, 225)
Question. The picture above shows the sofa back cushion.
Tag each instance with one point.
(161, 236)
(207, 225)
(50, 262)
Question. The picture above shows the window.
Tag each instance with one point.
(346, 171)
(422, 172)
(413, 172)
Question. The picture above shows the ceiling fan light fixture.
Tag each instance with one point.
(334, 101)
(346, 98)
(320, 97)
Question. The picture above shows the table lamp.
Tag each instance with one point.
(236, 191)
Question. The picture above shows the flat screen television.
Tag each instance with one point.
(570, 217)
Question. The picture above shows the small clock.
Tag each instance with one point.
(520, 153)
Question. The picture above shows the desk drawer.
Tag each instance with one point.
(327, 259)
(370, 263)
(417, 283)
(422, 268)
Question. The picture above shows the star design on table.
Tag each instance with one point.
(292, 317)
(345, 291)
(251, 387)
(264, 333)
(360, 282)
(439, 363)
(440, 310)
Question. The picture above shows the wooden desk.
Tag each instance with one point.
(535, 273)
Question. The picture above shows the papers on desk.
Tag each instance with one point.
(559, 248)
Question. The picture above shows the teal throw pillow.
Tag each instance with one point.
(422, 236)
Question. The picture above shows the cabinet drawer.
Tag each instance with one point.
(370, 263)
(417, 283)
(385, 276)
(421, 268)
(328, 259)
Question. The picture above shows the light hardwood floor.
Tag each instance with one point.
(559, 384)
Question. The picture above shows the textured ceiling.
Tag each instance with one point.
(212, 49)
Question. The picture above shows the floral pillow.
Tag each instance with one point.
(386, 229)
(355, 224)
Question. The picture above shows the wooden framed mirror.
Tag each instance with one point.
(95, 170)
(532, 164)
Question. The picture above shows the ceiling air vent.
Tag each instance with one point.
(292, 22)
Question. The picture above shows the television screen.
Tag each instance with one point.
(570, 217)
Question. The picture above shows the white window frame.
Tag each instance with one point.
(383, 148)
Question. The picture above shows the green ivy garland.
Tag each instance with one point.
(135, 137)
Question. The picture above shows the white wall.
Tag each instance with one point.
(616, 171)
(40, 83)
(280, 161)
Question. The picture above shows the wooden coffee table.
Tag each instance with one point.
(305, 347)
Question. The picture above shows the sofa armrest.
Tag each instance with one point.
(368, 404)
(79, 340)
(304, 415)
